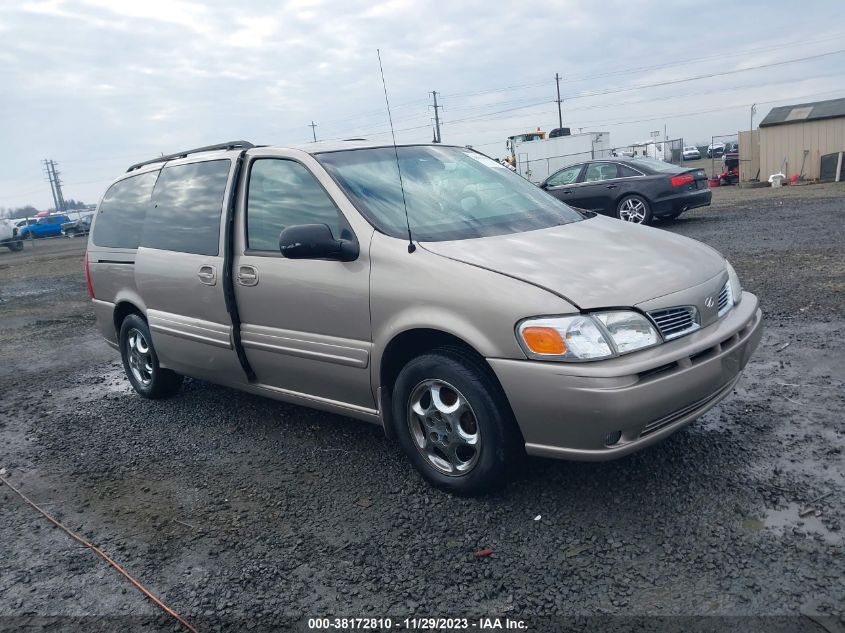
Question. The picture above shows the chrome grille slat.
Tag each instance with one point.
(680, 320)
(725, 298)
(674, 322)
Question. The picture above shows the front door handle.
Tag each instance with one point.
(247, 275)
(611, 186)
(207, 275)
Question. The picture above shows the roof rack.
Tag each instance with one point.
(186, 153)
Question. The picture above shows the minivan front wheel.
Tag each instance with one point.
(634, 209)
(454, 423)
(140, 361)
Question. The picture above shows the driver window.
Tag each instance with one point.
(283, 193)
(564, 177)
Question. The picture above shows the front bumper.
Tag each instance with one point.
(567, 410)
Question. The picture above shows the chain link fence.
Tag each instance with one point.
(670, 151)
(723, 153)
(31, 238)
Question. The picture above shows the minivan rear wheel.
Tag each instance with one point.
(140, 361)
(454, 423)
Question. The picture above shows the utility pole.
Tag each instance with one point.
(437, 138)
(49, 175)
(58, 184)
(313, 127)
(559, 101)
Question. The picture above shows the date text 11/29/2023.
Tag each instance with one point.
(417, 624)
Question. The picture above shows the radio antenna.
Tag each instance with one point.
(411, 247)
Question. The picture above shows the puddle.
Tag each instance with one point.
(786, 521)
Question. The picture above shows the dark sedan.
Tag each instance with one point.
(78, 227)
(631, 189)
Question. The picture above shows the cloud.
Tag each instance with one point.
(98, 84)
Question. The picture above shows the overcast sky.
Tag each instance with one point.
(98, 84)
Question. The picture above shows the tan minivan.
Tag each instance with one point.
(425, 288)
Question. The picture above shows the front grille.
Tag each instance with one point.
(725, 298)
(675, 322)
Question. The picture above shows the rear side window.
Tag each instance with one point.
(186, 208)
(627, 172)
(283, 193)
(600, 171)
(121, 214)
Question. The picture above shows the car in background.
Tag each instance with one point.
(9, 236)
(48, 226)
(714, 150)
(691, 152)
(82, 226)
(26, 222)
(632, 189)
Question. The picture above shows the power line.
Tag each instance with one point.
(636, 70)
(662, 117)
(657, 84)
(710, 110)
(724, 73)
(676, 96)
(695, 60)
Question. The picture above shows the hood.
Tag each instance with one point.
(595, 263)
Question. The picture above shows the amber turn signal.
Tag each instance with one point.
(543, 340)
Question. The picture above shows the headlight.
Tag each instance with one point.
(586, 336)
(736, 287)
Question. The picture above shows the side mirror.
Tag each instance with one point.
(544, 185)
(315, 241)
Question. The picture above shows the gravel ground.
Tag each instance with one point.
(239, 511)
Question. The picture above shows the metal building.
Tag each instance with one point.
(793, 139)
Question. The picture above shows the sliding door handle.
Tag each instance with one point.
(207, 275)
(247, 275)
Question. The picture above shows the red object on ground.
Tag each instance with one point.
(793, 178)
(714, 182)
(484, 552)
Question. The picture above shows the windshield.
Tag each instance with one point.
(451, 193)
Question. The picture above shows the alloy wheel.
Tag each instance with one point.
(140, 357)
(632, 210)
(444, 427)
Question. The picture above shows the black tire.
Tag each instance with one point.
(634, 199)
(501, 446)
(155, 383)
(15, 246)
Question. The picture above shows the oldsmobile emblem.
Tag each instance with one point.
(709, 301)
